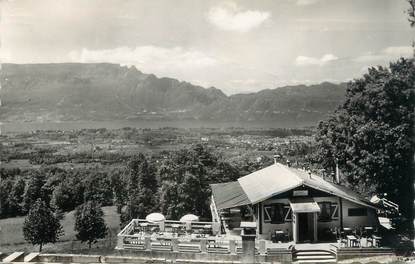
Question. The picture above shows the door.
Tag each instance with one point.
(303, 227)
(306, 229)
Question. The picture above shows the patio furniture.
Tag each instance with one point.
(341, 239)
(368, 233)
(144, 227)
(352, 241)
(287, 236)
(175, 228)
(357, 232)
(207, 229)
(347, 230)
(376, 240)
(277, 236)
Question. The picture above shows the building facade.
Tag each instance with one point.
(301, 206)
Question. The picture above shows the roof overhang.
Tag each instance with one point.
(229, 195)
(346, 197)
(304, 205)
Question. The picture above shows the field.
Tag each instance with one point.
(11, 235)
(95, 157)
(109, 148)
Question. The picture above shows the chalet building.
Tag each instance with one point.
(281, 199)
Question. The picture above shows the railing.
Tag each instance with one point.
(172, 226)
(180, 244)
(166, 237)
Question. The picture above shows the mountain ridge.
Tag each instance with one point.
(105, 91)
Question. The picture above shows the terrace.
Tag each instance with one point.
(205, 239)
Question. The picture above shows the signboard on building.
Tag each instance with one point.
(300, 193)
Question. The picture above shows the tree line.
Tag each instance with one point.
(172, 182)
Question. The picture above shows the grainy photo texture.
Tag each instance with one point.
(207, 131)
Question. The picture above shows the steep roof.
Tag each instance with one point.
(278, 178)
(268, 182)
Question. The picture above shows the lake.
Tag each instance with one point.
(10, 127)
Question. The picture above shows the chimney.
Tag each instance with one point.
(309, 174)
(275, 158)
(337, 172)
(288, 163)
(333, 177)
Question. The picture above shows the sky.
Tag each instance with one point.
(237, 46)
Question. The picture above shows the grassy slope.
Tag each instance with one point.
(11, 234)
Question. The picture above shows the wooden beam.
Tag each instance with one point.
(341, 212)
(295, 227)
(315, 227)
(261, 209)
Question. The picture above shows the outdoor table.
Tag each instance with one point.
(351, 240)
(143, 227)
(210, 240)
(175, 228)
(376, 240)
(207, 229)
(279, 235)
(164, 240)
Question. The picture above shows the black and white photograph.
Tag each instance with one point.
(207, 131)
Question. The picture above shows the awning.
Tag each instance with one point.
(385, 222)
(229, 195)
(304, 205)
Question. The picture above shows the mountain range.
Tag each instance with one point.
(103, 91)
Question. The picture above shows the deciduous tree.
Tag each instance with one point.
(89, 223)
(41, 226)
(372, 133)
(34, 190)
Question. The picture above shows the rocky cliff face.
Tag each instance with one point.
(74, 91)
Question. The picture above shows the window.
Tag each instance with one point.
(274, 213)
(357, 212)
(328, 211)
(325, 211)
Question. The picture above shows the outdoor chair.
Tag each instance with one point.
(377, 239)
(278, 235)
(367, 234)
(155, 229)
(287, 235)
(340, 237)
(357, 232)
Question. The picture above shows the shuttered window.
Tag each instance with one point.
(328, 211)
(274, 213)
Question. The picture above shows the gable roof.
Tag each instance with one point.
(320, 184)
(278, 178)
(228, 195)
(268, 182)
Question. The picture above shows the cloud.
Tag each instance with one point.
(399, 51)
(386, 54)
(151, 59)
(306, 61)
(229, 17)
(306, 2)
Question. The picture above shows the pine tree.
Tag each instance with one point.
(141, 189)
(89, 223)
(41, 226)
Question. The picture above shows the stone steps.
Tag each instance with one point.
(14, 257)
(314, 256)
